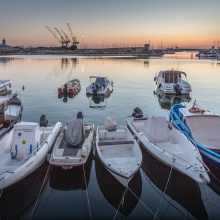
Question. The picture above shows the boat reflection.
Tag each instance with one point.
(20, 197)
(166, 101)
(113, 190)
(181, 188)
(73, 179)
(98, 101)
(66, 96)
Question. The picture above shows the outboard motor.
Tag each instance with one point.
(177, 89)
(137, 113)
(43, 121)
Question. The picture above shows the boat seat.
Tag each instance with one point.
(119, 134)
(104, 143)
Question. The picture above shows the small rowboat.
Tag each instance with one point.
(73, 145)
(119, 152)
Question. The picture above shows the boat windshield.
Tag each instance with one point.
(100, 81)
(172, 77)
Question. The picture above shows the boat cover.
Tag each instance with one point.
(74, 134)
(156, 129)
(110, 124)
(205, 130)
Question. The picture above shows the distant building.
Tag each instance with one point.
(146, 47)
(4, 48)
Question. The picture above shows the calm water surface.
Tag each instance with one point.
(64, 194)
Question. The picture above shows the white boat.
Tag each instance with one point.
(172, 82)
(24, 149)
(5, 87)
(73, 145)
(119, 153)
(101, 86)
(169, 146)
(10, 112)
(210, 53)
(202, 127)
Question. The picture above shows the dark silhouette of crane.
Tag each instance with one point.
(74, 39)
(63, 38)
(65, 41)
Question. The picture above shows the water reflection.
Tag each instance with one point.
(71, 179)
(5, 60)
(66, 96)
(113, 190)
(99, 101)
(16, 199)
(180, 188)
(166, 101)
(67, 62)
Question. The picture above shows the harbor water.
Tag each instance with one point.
(67, 194)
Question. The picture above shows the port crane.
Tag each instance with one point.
(63, 38)
(74, 40)
(65, 41)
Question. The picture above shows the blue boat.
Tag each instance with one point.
(200, 126)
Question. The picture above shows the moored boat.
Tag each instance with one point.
(213, 53)
(5, 87)
(74, 144)
(72, 87)
(201, 127)
(119, 152)
(101, 86)
(172, 82)
(24, 149)
(169, 146)
(10, 112)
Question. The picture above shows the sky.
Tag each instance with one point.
(98, 23)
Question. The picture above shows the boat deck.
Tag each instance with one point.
(64, 149)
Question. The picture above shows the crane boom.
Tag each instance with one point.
(71, 33)
(62, 38)
(53, 34)
(66, 36)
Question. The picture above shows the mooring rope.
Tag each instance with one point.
(171, 169)
(187, 216)
(87, 193)
(145, 206)
(38, 197)
(122, 200)
(208, 170)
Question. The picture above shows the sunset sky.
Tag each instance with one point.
(186, 23)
